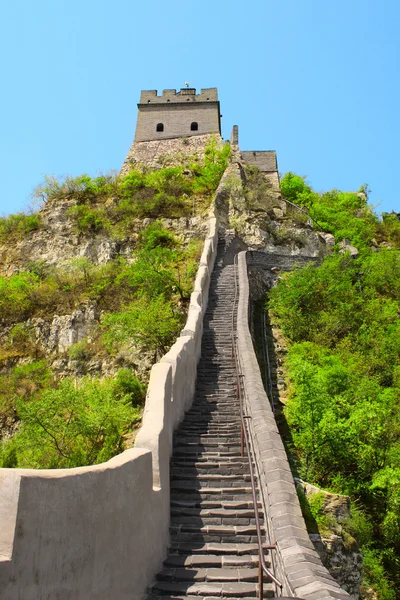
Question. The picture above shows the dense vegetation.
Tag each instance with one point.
(67, 423)
(341, 320)
(113, 202)
(142, 302)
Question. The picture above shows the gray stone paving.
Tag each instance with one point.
(213, 551)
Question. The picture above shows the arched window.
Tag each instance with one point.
(160, 127)
(194, 126)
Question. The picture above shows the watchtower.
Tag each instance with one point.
(177, 114)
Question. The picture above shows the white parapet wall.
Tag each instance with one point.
(101, 532)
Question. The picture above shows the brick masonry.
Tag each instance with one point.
(300, 566)
(176, 111)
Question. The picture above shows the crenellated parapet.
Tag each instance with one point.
(177, 114)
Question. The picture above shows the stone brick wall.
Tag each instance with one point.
(205, 95)
(265, 160)
(176, 119)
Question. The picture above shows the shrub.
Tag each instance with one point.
(73, 425)
(151, 325)
(79, 351)
(17, 226)
(15, 296)
(87, 219)
(128, 385)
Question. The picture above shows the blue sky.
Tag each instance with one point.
(316, 80)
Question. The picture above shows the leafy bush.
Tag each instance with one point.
(17, 226)
(23, 382)
(344, 214)
(73, 425)
(84, 189)
(79, 351)
(128, 385)
(141, 193)
(87, 219)
(16, 296)
(150, 324)
(343, 367)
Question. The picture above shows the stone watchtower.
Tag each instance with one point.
(177, 114)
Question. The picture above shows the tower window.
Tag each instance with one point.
(160, 127)
(194, 126)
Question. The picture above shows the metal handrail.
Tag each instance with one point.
(244, 440)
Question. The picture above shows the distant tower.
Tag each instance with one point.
(177, 114)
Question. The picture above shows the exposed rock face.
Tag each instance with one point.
(345, 246)
(58, 335)
(265, 222)
(338, 549)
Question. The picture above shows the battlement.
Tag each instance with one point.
(185, 94)
(177, 114)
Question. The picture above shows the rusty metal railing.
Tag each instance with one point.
(244, 441)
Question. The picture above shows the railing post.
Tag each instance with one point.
(260, 580)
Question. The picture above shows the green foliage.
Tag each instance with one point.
(87, 219)
(374, 575)
(24, 382)
(388, 230)
(150, 324)
(84, 189)
(73, 425)
(344, 214)
(127, 385)
(112, 201)
(17, 226)
(155, 235)
(295, 189)
(16, 295)
(79, 351)
(343, 366)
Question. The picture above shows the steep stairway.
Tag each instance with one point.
(213, 551)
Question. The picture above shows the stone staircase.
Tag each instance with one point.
(213, 551)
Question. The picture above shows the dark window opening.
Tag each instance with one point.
(194, 126)
(160, 127)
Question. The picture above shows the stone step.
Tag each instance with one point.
(206, 446)
(221, 494)
(211, 560)
(210, 468)
(209, 486)
(210, 574)
(204, 462)
(207, 589)
(195, 454)
(205, 439)
(213, 548)
(180, 519)
(216, 479)
(207, 428)
(201, 512)
(215, 503)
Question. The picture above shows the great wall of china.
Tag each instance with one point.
(204, 505)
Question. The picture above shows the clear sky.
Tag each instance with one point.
(316, 80)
